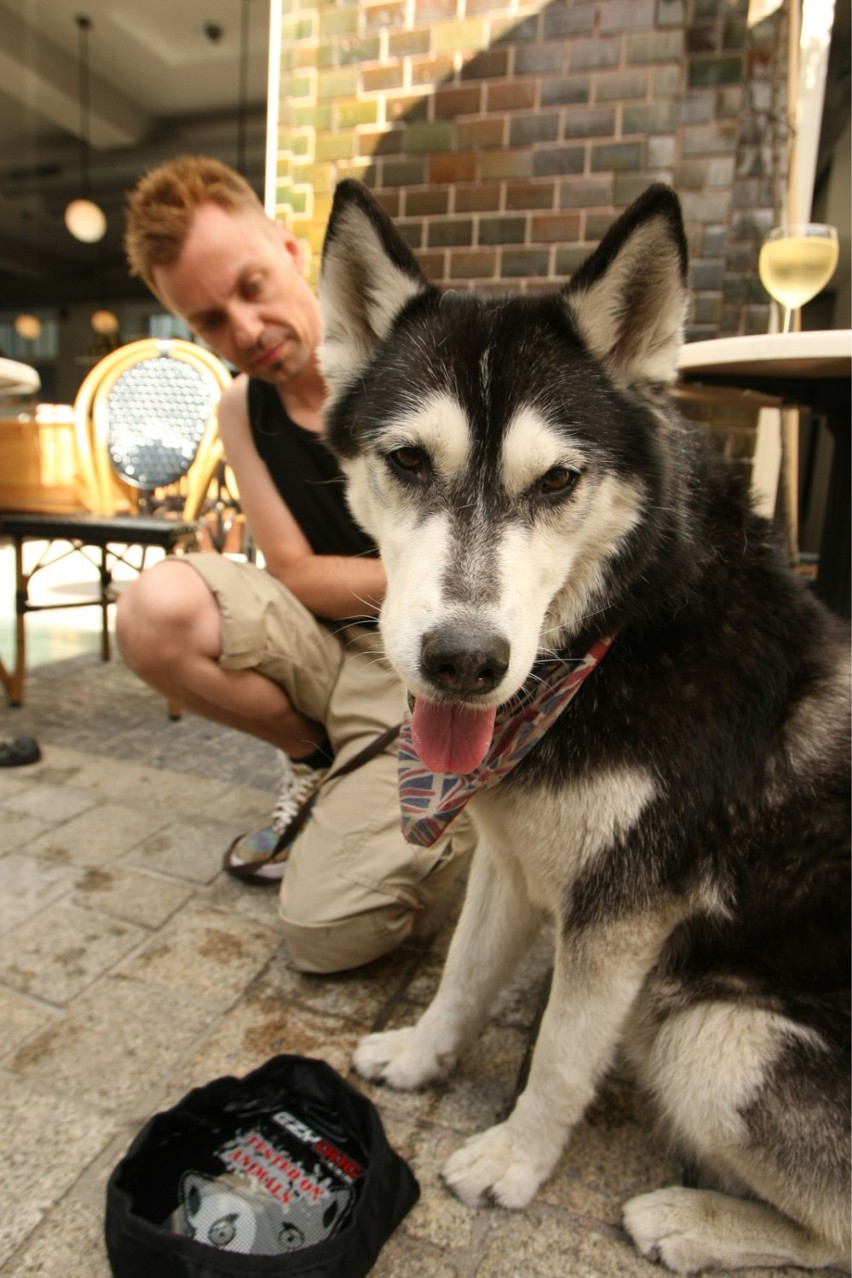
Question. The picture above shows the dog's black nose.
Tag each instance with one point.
(462, 662)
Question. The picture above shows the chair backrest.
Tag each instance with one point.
(145, 423)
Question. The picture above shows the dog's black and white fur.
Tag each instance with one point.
(686, 820)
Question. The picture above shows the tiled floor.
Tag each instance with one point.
(131, 970)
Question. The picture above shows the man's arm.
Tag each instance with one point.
(330, 586)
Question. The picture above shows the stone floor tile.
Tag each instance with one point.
(15, 780)
(101, 834)
(29, 883)
(248, 1035)
(242, 900)
(357, 997)
(205, 952)
(480, 1091)
(48, 1138)
(247, 806)
(20, 1018)
(134, 895)
(403, 1257)
(190, 850)
(117, 1046)
(49, 802)
(17, 829)
(60, 951)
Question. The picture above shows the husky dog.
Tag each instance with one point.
(685, 820)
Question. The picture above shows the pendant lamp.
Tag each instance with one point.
(84, 219)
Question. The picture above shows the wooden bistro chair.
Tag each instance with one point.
(148, 448)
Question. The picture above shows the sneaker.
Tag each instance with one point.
(257, 856)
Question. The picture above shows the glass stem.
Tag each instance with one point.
(788, 315)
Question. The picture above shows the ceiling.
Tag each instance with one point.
(165, 77)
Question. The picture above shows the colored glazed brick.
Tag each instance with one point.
(624, 15)
(530, 195)
(656, 117)
(447, 234)
(430, 71)
(566, 90)
(350, 113)
(378, 79)
(383, 16)
(473, 265)
(708, 71)
(553, 161)
(339, 145)
(562, 22)
(621, 86)
(431, 11)
(511, 31)
(569, 260)
(489, 65)
(556, 228)
(429, 203)
(618, 155)
(338, 21)
(514, 96)
(448, 103)
(337, 84)
(478, 135)
(587, 55)
(403, 172)
(405, 44)
(465, 33)
(506, 164)
(476, 199)
(656, 46)
(429, 138)
(524, 130)
(502, 230)
(457, 167)
(589, 123)
(586, 193)
(350, 52)
(524, 262)
(541, 60)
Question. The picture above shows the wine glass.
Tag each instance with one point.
(796, 262)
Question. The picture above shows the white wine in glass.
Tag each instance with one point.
(796, 262)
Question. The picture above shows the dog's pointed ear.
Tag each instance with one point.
(368, 274)
(629, 298)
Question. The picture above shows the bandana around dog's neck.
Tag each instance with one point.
(431, 800)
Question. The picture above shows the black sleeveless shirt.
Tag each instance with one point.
(305, 474)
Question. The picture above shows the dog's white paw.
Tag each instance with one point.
(398, 1058)
(496, 1167)
(671, 1225)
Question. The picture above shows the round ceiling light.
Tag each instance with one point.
(86, 221)
(28, 326)
(104, 322)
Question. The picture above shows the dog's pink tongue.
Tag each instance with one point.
(451, 738)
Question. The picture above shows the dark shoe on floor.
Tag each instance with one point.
(13, 754)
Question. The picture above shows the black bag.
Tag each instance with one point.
(284, 1172)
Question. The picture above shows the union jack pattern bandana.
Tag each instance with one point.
(430, 801)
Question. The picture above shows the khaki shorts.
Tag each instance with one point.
(353, 887)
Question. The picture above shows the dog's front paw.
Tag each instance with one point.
(673, 1226)
(400, 1059)
(496, 1167)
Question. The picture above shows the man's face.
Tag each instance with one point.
(238, 284)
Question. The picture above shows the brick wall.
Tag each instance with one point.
(503, 137)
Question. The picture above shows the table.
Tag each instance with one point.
(17, 378)
(808, 368)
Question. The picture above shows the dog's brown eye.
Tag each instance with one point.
(413, 462)
(557, 481)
